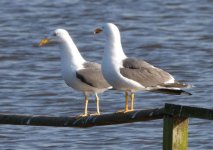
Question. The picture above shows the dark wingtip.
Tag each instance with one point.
(185, 93)
(172, 91)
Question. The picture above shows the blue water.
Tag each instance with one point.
(174, 35)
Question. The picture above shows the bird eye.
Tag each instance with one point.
(54, 34)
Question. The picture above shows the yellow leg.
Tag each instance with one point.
(97, 103)
(126, 109)
(86, 106)
(132, 96)
(97, 106)
(126, 102)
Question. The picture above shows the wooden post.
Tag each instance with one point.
(83, 122)
(175, 128)
(188, 111)
(175, 133)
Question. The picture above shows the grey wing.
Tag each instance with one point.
(144, 73)
(91, 65)
(148, 77)
(176, 84)
(134, 63)
(92, 77)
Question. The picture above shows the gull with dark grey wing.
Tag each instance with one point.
(131, 74)
(78, 73)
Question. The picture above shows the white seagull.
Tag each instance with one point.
(78, 73)
(132, 74)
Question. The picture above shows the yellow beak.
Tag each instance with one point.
(98, 30)
(44, 42)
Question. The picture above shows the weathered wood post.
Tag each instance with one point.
(175, 130)
(175, 133)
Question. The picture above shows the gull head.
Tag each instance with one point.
(110, 31)
(59, 35)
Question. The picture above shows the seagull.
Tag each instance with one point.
(133, 74)
(78, 73)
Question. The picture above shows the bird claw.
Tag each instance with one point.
(83, 115)
(95, 114)
(124, 111)
(86, 115)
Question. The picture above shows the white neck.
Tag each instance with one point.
(70, 54)
(113, 50)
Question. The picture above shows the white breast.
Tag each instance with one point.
(111, 72)
(113, 59)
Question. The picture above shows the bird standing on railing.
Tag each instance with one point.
(131, 74)
(78, 73)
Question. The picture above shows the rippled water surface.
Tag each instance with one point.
(174, 35)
